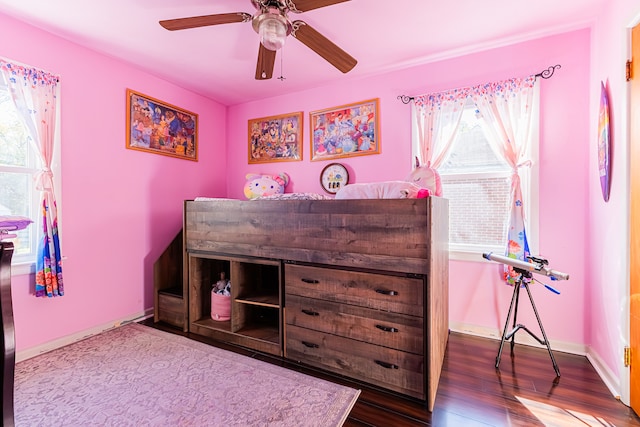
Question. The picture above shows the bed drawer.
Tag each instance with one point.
(393, 369)
(171, 309)
(397, 294)
(393, 330)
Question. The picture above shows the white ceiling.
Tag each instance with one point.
(219, 61)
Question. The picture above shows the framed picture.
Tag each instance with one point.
(345, 131)
(276, 138)
(161, 128)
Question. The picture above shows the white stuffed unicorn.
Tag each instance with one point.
(423, 181)
(426, 177)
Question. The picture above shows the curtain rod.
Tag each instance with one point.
(545, 74)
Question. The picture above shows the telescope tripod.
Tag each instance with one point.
(523, 281)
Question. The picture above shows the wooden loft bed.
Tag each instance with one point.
(358, 288)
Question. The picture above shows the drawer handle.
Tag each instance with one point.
(387, 365)
(386, 292)
(310, 313)
(310, 344)
(387, 328)
(312, 281)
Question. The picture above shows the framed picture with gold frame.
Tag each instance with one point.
(276, 138)
(158, 127)
(345, 131)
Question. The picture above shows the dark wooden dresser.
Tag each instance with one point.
(355, 287)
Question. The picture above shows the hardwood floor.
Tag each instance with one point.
(523, 392)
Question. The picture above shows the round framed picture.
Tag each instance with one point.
(333, 177)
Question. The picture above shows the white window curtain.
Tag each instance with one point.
(35, 94)
(436, 119)
(507, 110)
(508, 113)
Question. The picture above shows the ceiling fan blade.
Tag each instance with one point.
(323, 46)
(266, 62)
(203, 21)
(306, 5)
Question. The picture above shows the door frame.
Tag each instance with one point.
(625, 372)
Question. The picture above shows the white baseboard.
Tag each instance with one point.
(607, 376)
(70, 339)
(521, 338)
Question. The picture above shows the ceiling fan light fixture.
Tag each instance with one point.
(273, 30)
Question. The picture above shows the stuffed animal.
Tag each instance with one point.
(260, 185)
(426, 177)
(423, 181)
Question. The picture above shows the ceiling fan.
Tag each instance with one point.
(272, 23)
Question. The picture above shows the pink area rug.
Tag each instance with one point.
(139, 376)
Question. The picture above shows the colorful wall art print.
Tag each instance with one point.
(345, 131)
(157, 127)
(276, 138)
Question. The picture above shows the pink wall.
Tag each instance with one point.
(477, 296)
(609, 226)
(120, 207)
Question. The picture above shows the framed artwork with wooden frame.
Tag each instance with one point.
(276, 138)
(157, 127)
(346, 131)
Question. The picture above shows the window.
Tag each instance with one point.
(18, 165)
(477, 183)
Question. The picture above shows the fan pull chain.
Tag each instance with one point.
(281, 78)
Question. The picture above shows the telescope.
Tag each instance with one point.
(537, 266)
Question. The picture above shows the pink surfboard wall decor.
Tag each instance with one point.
(604, 143)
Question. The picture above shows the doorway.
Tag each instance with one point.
(634, 219)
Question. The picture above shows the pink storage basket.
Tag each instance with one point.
(220, 307)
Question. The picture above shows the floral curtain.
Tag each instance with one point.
(35, 95)
(436, 119)
(507, 110)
